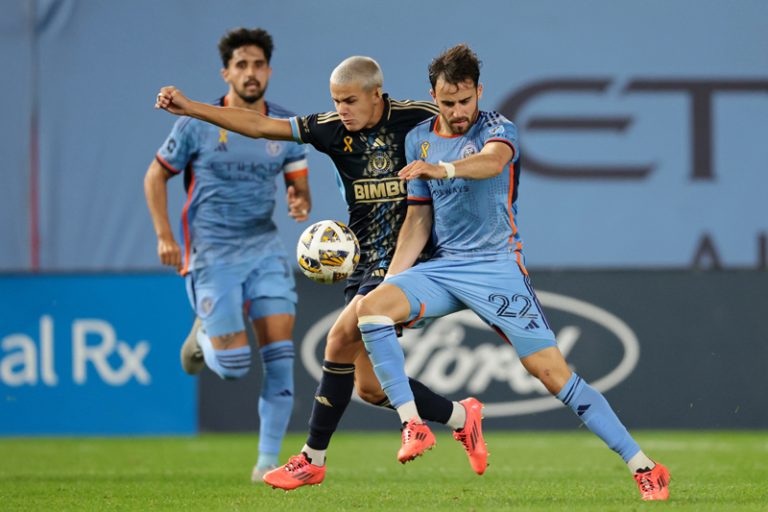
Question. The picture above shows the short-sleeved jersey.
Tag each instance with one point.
(230, 184)
(473, 219)
(367, 163)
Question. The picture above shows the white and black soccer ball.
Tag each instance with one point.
(328, 251)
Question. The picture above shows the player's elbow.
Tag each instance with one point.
(254, 132)
(497, 165)
(156, 175)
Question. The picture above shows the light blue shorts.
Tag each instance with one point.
(496, 290)
(219, 292)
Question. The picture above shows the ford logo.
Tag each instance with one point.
(460, 353)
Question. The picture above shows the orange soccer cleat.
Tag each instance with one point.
(417, 438)
(654, 483)
(296, 472)
(471, 435)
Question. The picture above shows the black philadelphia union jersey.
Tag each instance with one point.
(367, 162)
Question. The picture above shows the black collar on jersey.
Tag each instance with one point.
(384, 115)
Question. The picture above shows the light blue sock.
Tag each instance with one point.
(275, 401)
(593, 409)
(387, 358)
(228, 364)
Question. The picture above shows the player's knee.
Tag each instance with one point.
(233, 365)
(366, 307)
(386, 306)
(549, 366)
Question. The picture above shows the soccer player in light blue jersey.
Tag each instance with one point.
(365, 138)
(463, 176)
(231, 256)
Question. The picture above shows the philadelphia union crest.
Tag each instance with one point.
(379, 163)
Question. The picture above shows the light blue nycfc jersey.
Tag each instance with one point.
(473, 219)
(230, 183)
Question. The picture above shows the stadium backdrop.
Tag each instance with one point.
(643, 172)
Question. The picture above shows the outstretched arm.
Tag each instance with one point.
(240, 120)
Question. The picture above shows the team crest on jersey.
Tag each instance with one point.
(274, 148)
(206, 306)
(468, 150)
(379, 163)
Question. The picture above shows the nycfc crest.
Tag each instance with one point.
(274, 148)
(468, 150)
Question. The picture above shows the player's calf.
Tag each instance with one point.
(233, 364)
(229, 364)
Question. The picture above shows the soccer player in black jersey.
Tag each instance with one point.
(365, 138)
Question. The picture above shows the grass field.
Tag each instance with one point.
(529, 471)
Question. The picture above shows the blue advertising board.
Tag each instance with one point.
(641, 123)
(94, 354)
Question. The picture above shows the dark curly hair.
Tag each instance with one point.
(455, 65)
(238, 37)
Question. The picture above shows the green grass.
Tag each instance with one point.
(529, 471)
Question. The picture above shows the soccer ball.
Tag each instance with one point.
(328, 251)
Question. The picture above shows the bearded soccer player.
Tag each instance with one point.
(365, 138)
(232, 255)
(463, 182)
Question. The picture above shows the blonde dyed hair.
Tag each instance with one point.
(358, 69)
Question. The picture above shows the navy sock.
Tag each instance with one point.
(431, 406)
(331, 400)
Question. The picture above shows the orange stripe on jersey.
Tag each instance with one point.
(185, 223)
(519, 255)
(418, 317)
(510, 195)
(419, 199)
(294, 175)
(165, 164)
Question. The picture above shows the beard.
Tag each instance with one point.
(460, 130)
(251, 98)
(456, 129)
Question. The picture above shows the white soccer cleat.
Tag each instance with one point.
(192, 361)
(257, 475)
